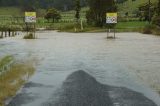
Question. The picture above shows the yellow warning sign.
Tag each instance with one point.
(111, 18)
(30, 17)
(111, 14)
(30, 13)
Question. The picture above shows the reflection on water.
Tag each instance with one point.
(129, 61)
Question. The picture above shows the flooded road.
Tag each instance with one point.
(131, 61)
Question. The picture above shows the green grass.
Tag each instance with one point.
(68, 18)
(131, 24)
(12, 80)
(4, 61)
(71, 14)
(11, 11)
(131, 6)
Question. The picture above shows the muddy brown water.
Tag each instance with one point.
(131, 61)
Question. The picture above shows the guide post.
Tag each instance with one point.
(30, 20)
(111, 19)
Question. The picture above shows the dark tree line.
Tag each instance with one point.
(58, 4)
(121, 1)
(156, 17)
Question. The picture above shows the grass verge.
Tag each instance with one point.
(130, 26)
(151, 29)
(12, 80)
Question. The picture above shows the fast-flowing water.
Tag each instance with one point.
(132, 61)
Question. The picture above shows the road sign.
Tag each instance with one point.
(30, 17)
(111, 18)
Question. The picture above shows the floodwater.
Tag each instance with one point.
(131, 61)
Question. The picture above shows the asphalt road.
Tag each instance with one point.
(81, 89)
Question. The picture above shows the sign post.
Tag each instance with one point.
(30, 20)
(111, 18)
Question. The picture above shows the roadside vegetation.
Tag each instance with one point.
(80, 18)
(13, 78)
(29, 36)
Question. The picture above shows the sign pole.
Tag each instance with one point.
(30, 19)
(27, 28)
(107, 32)
(114, 33)
(34, 30)
(111, 18)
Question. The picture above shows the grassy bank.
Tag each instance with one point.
(11, 11)
(13, 79)
(131, 6)
(4, 61)
(151, 29)
(134, 26)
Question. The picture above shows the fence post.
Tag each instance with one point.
(1, 36)
(5, 33)
(9, 32)
(12, 33)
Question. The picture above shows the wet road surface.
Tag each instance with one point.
(81, 89)
(110, 67)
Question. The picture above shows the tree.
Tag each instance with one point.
(58, 4)
(156, 17)
(52, 14)
(98, 9)
(146, 11)
(77, 8)
(158, 8)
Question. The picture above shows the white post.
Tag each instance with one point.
(82, 25)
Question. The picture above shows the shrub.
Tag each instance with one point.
(151, 29)
(67, 26)
(148, 29)
(29, 36)
(52, 14)
(156, 31)
(156, 20)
